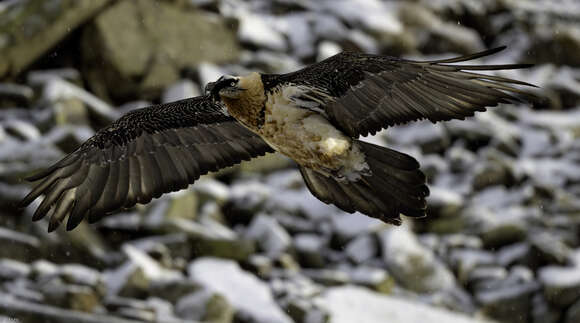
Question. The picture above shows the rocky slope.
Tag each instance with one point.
(250, 244)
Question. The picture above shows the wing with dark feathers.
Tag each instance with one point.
(363, 93)
(142, 155)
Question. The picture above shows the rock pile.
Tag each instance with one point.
(250, 244)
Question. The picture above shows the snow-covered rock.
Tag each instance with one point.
(255, 30)
(561, 284)
(348, 226)
(362, 248)
(243, 290)
(355, 304)
(413, 265)
(309, 249)
(180, 90)
(269, 234)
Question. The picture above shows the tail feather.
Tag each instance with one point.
(395, 186)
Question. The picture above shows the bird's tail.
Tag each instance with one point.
(394, 186)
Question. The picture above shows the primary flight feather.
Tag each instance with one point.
(313, 116)
(144, 154)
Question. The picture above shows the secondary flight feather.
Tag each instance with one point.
(144, 154)
(313, 116)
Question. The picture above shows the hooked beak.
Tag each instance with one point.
(225, 87)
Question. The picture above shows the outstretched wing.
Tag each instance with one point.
(142, 155)
(362, 93)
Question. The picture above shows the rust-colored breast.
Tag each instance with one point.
(249, 106)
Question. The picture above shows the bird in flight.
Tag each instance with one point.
(314, 116)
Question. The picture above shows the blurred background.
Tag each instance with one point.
(250, 244)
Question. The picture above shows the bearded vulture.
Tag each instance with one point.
(314, 116)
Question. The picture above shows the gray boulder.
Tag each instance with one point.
(272, 238)
(151, 42)
(355, 304)
(205, 306)
(511, 303)
(561, 284)
(236, 285)
(33, 27)
(413, 265)
(573, 313)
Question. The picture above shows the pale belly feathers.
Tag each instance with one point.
(308, 138)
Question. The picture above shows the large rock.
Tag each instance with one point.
(308, 249)
(136, 277)
(213, 239)
(143, 45)
(354, 304)
(557, 43)
(181, 90)
(510, 303)
(442, 36)
(254, 30)
(550, 249)
(573, 313)
(561, 284)
(183, 205)
(12, 94)
(303, 311)
(30, 28)
(374, 278)
(59, 91)
(362, 248)
(349, 226)
(22, 246)
(269, 234)
(75, 297)
(79, 274)
(496, 230)
(444, 212)
(413, 265)
(245, 292)
(205, 306)
(327, 277)
(542, 312)
(12, 269)
(28, 312)
(465, 260)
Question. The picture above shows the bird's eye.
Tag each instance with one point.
(232, 83)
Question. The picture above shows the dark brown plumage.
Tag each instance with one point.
(355, 94)
(142, 155)
(367, 93)
(313, 115)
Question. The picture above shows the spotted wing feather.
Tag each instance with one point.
(139, 157)
(365, 93)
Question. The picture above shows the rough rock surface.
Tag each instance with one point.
(244, 291)
(33, 29)
(355, 304)
(250, 244)
(151, 42)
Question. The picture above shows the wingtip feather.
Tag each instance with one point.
(468, 57)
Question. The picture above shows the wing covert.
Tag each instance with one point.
(144, 154)
(365, 93)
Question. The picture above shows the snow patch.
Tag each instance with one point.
(350, 304)
(243, 290)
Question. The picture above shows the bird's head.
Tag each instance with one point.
(227, 86)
